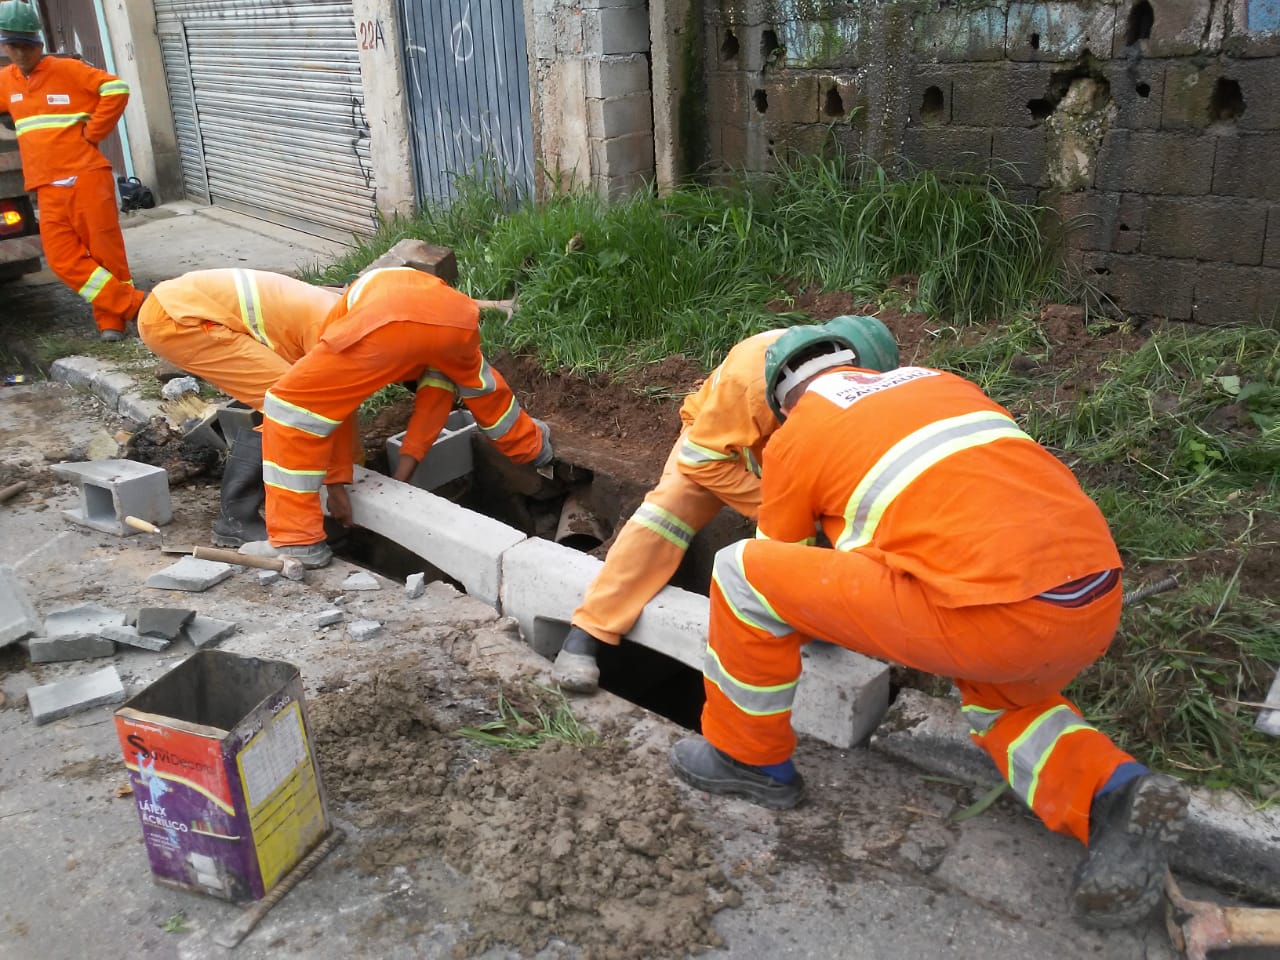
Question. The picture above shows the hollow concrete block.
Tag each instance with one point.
(466, 545)
(18, 618)
(111, 490)
(450, 455)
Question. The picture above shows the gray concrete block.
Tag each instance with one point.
(1269, 720)
(947, 148)
(268, 577)
(998, 94)
(1242, 166)
(1137, 90)
(616, 30)
(620, 116)
(1229, 294)
(467, 546)
(450, 455)
(1178, 28)
(207, 631)
(1212, 228)
(842, 695)
(361, 580)
(328, 618)
(959, 34)
(191, 574)
(83, 618)
(415, 585)
(18, 618)
(111, 490)
(1058, 31)
(130, 637)
(66, 697)
(1157, 162)
(165, 622)
(610, 77)
(615, 156)
(363, 629)
(1145, 286)
(78, 646)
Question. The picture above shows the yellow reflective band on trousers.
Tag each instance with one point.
(49, 121)
(487, 383)
(299, 481)
(747, 604)
(1030, 752)
(93, 286)
(113, 88)
(435, 379)
(251, 307)
(981, 719)
(504, 423)
(750, 699)
(290, 415)
(908, 459)
(665, 524)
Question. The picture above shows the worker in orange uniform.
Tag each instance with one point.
(961, 548)
(62, 109)
(714, 463)
(391, 325)
(242, 330)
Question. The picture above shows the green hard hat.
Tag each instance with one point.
(848, 341)
(19, 22)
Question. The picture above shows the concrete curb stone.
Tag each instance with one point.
(18, 617)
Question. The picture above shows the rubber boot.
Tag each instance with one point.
(243, 494)
(575, 668)
(699, 764)
(1121, 880)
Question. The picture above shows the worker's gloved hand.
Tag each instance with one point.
(546, 454)
(339, 503)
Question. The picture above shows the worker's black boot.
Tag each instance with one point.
(701, 765)
(575, 668)
(240, 519)
(1131, 828)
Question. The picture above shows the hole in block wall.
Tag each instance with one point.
(1039, 108)
(1227, 102)
(1124, 228)
(761, 100)
(1141, 19)
(770, 48)
(834, 104)
(1035, 41)
(1143, 90)
(729, 49)
(933, 106)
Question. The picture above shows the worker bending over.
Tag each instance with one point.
(62, 108)
(390, 326)
(242, 330)
(714, 463)
(961, 548)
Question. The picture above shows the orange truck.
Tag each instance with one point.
(19, 232)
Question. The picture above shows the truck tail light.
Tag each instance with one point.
(13, 221)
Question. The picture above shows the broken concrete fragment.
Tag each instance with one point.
(206, 631)
(87, 646)
(164, 622)
(84, 618)
(130, 637)
(361, 580)
(415, 585)
(54, 700)
(18, 618)
(191, 574)
(329, 617)
(420, 255)
(268, 577)
(363, 629)
(1269, 719)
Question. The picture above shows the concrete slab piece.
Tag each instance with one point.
(130, 637)
(191, 574)
(842, 696)
(207, 631)
(53, 701)
(328, 618)
(361, 580)
(83, 618)
(72, 647)
(1269, 719)
(268, 577)
(165, 622)
(111, 490)
(18, 617)
(363, 629)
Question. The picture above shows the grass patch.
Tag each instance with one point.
(551, 718)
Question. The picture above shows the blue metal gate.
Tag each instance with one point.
(468, 77)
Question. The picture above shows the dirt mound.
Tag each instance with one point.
(580, 844)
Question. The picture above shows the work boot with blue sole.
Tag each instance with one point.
(699, 764)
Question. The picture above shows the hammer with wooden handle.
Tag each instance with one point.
(290, 567)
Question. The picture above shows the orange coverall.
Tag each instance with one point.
(961, 548)
(61, 112)
(389, 326)
(714, 463)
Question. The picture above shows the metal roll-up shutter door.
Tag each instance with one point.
(278, 110)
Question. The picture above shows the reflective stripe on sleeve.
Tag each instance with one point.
(49, 121)
(749, 698)
(665, 524)
(290, 415)
(1031, 751)
(251, 307)
(299, 481)
(910, 457)
(747, 604)
(113, 88)
(93, 286)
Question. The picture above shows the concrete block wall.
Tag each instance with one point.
(592, 99)
(1151, 125)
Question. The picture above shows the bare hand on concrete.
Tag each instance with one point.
(339, 503)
